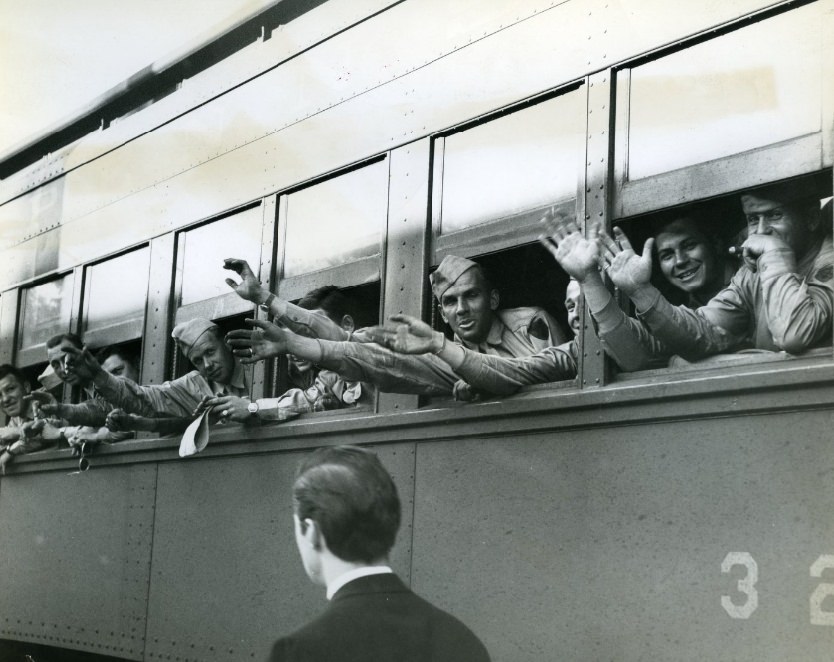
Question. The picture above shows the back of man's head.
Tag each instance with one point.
(352, 498)
(54, 341)
(329, 299)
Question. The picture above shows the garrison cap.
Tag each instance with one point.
(48, 378)
(188, 333)
(451, 268)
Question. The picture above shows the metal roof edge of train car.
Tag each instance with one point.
(226, 38)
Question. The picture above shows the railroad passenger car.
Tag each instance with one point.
(672, 514)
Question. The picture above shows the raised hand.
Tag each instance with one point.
(82, 363)
(624, 267)
(263, 342)
(249, 288)
(408, 335)
(757, 244)
(563, 238)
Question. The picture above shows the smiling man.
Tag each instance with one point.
(689, 260)
(781, 299)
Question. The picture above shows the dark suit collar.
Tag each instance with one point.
(385, 583)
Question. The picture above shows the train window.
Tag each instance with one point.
(337, 221)
(45, 312)
(531, 316)
(512, 165)
(698, 265)
(203, 249)
(116, 290)
(757, 86)
(362, 303)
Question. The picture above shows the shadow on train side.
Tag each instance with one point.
(18, 651)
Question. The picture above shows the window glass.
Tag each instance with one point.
(336, 221)
(46, 311)
(513, 164)
(205, 248)
(117, 288)
(754, 87)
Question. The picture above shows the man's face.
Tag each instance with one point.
(212, 358)
(11, 395)
(118, 367)
(789, 222)
(468, 305)
(686, 258)
(572, 293)
(57, 357)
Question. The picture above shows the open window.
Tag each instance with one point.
(699, 125)
(698, 253)
(331, 233)
(115, 294)
(494, 179)
(45, 311)
(200, 289)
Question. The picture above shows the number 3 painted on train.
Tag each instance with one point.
(746, 585)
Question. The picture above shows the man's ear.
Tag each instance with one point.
(494, 299)
(442, 314)
(814, 216)
(348, 324)
(311, 533)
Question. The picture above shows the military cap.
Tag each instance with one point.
(451, 268)
(188, 333)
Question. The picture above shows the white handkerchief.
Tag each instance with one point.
(196, 436)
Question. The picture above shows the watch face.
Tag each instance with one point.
(253, 407)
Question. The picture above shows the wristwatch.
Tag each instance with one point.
(267, 303)
(253, 408)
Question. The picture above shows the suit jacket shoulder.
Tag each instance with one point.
(378, 619)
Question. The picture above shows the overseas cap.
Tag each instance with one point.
(188, 333)
(448, 272)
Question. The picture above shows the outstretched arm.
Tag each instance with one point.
(300, 320)
(361, 362)
(487, 373)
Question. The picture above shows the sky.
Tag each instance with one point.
(56, 56)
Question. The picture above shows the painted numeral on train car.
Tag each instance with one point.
(746, 585)
(821, 592)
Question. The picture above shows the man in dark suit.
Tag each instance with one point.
(347, 513)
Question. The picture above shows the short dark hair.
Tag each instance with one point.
(7, 369)
(352, 498)
(54, 341)
(331, 300)
(125, 354)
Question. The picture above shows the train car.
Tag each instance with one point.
(674, 513)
